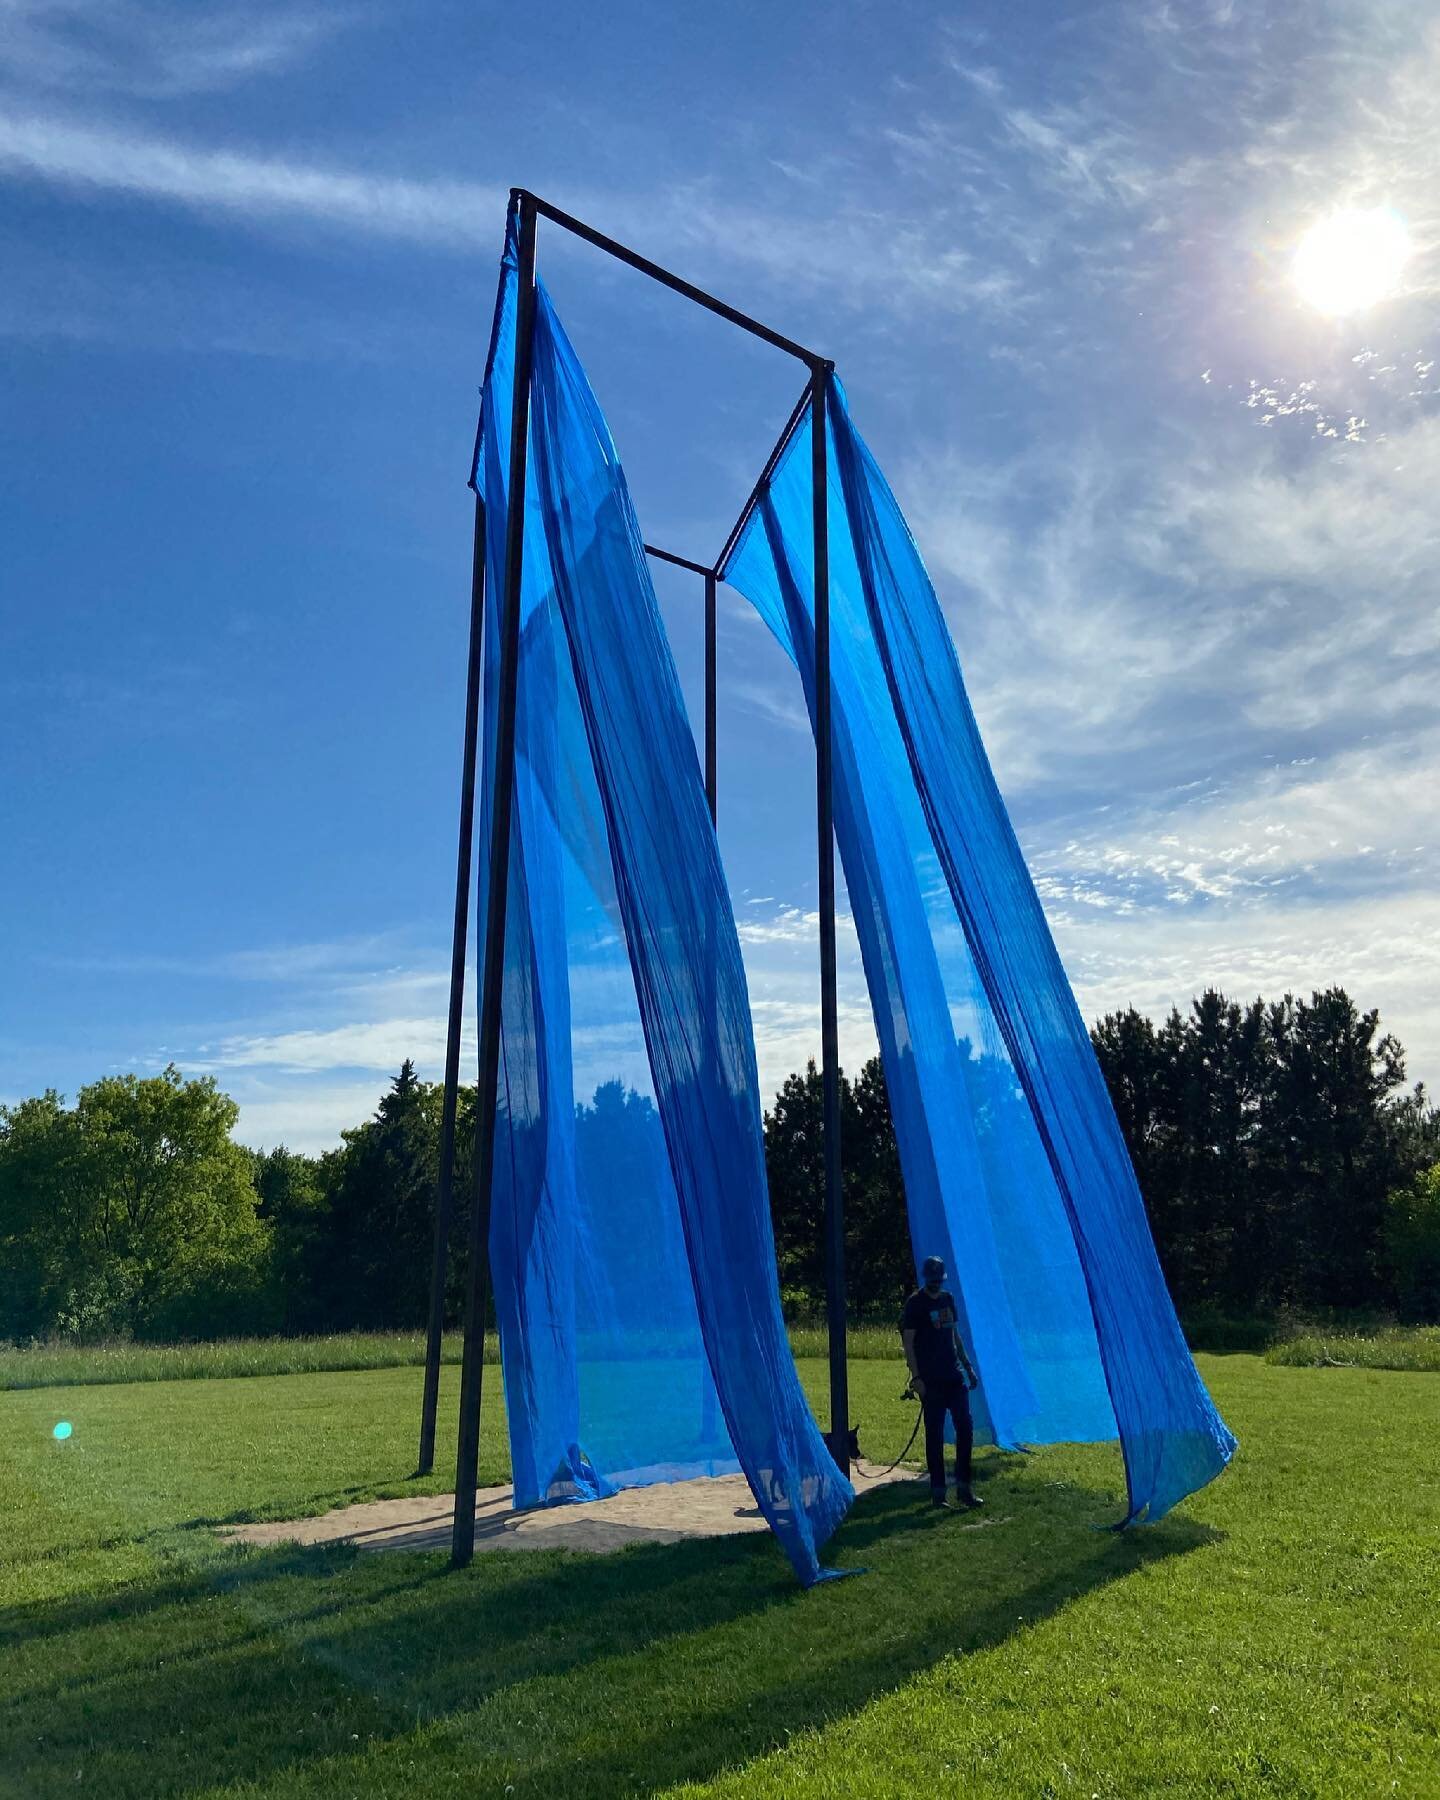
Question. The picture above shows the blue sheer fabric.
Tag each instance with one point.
(968, 1151)
(1027, 1190)
(633, 1259)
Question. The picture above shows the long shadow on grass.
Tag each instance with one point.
(551, 1671)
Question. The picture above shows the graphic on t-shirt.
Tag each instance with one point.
(933, 1320)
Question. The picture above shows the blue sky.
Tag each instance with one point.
(1183, 524)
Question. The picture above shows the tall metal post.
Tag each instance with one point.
(839, 1439)
(711, 761)
(707, 1407)
(444, 1196)
(477, 1295)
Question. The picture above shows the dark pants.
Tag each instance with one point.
(942, 1397)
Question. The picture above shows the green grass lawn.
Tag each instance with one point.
(1276, 1636)
(1416, 1348)
(63, 1364)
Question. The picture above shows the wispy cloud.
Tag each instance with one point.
(1366, 820)
(307, 1116)
(97, 159)
(155, 52)
(377, 1044)
(830, 254)
(1385, 950)
(1170, 178)
(1206, 679)
(782, 706)
(790, 925)
(1189, 608)
(343, 961)
(157, 695)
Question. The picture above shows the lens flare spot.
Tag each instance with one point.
(62, 1431)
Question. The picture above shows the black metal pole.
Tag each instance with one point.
(680, 562)
(711, 744)
(444, 1195)
(623, 253)
(772, 462)
(707, 1410)
(839, 1439)
(477, 1294)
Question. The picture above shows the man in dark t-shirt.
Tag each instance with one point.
(942, 1376)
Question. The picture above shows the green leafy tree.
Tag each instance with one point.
(39, 1200)
(1412, 1247)
(136, 1210)
(291, 1204)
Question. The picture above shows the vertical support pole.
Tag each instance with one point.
(707, 1409)
(477, 1295)
(711, 760)
(839, 1439)
(444, 1196)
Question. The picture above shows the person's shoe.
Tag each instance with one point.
(938, 1500)
(970, 1500)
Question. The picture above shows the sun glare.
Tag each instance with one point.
(1352, 259)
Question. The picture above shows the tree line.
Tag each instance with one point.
(1284, 1164)
(135, 1213)
(1283, 1161)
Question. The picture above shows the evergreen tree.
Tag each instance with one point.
(368, 1268)
(290, 1202)
(795, 1166)
(878, 1264)
(1266, 1138)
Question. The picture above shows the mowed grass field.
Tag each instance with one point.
(1276, 1636)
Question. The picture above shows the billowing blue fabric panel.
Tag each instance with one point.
(977, 1187)
(683, 946)
(634, 1264)
(606, 1376)
(1172, 1438)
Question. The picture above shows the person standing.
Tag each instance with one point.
(942, 1376)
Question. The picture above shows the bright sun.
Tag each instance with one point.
(1352, 259)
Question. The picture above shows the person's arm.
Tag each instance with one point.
(908, 1343)
(907, 1338)
(967, 1368)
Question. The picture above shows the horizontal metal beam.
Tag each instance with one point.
(680, 562)
(623, 253)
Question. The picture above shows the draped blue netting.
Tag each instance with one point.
(976, 1185)
(632, 1254)
(630, 1241)
(1027, 1190)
